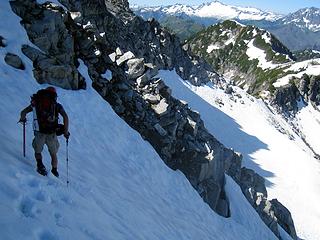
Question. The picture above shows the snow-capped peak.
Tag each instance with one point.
(305, 18)
(221, 10)
(216, 9)
(178, 9)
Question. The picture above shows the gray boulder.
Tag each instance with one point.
(55, 62)
(125, 57)
(285, 98)
(48, 70)
(135, 67)
(160, 130)
(229, 90)
(252, 183)
(143, 80)
(161, 108)
(253, 187)
(314, 92)
(304, 86)
(266, 212)
(151, 98)
(14, 61)
(284, 218)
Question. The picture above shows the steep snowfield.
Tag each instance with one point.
(268, 145)
(310, 125)
(119, 187)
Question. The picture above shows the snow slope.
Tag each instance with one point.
(309, 67)
(119, 187)
(267, 143)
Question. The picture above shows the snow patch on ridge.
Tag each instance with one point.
(310, 67)
(256, 53)
(212, 47)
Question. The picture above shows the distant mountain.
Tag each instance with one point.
(306, 18)
(294, 37)
(298, 31)
(246, 54)
(213, 9)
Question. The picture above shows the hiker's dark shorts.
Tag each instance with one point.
(50, 140)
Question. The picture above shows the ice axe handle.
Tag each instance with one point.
(24, 139)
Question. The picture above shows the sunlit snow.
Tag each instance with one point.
(268, 144)
(119, 187)
(310, 67)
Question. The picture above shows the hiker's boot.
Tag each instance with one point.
(41, 169)
(54, 171)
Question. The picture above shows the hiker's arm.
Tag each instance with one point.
(24, 113)
(65, 122)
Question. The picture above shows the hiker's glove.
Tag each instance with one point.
(66, 135)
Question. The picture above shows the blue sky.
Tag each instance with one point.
(279, 6)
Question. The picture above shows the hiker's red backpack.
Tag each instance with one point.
(45, 110)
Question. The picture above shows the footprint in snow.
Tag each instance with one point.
(66, 199)
(59, 220)
(42, 196)
(33, 183)
(47, 235)
(26, 207)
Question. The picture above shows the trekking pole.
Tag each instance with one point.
(67, 153)
(24, 139)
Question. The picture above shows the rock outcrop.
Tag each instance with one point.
(284, 218)
(175, 131)
(314, 90)
(55, 62)
(309, 88)
(108, 37)
(14, 61)
(286, 98)
(306, 89)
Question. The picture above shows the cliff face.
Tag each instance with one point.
(109, 38)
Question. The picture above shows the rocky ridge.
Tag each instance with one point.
(233, 50)
(228, 47)
(109, 37)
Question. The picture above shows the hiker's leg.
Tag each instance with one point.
(54, 160)
(38, 157)
(37, 144)
(53, 147)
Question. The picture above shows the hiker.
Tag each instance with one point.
(46, 111)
